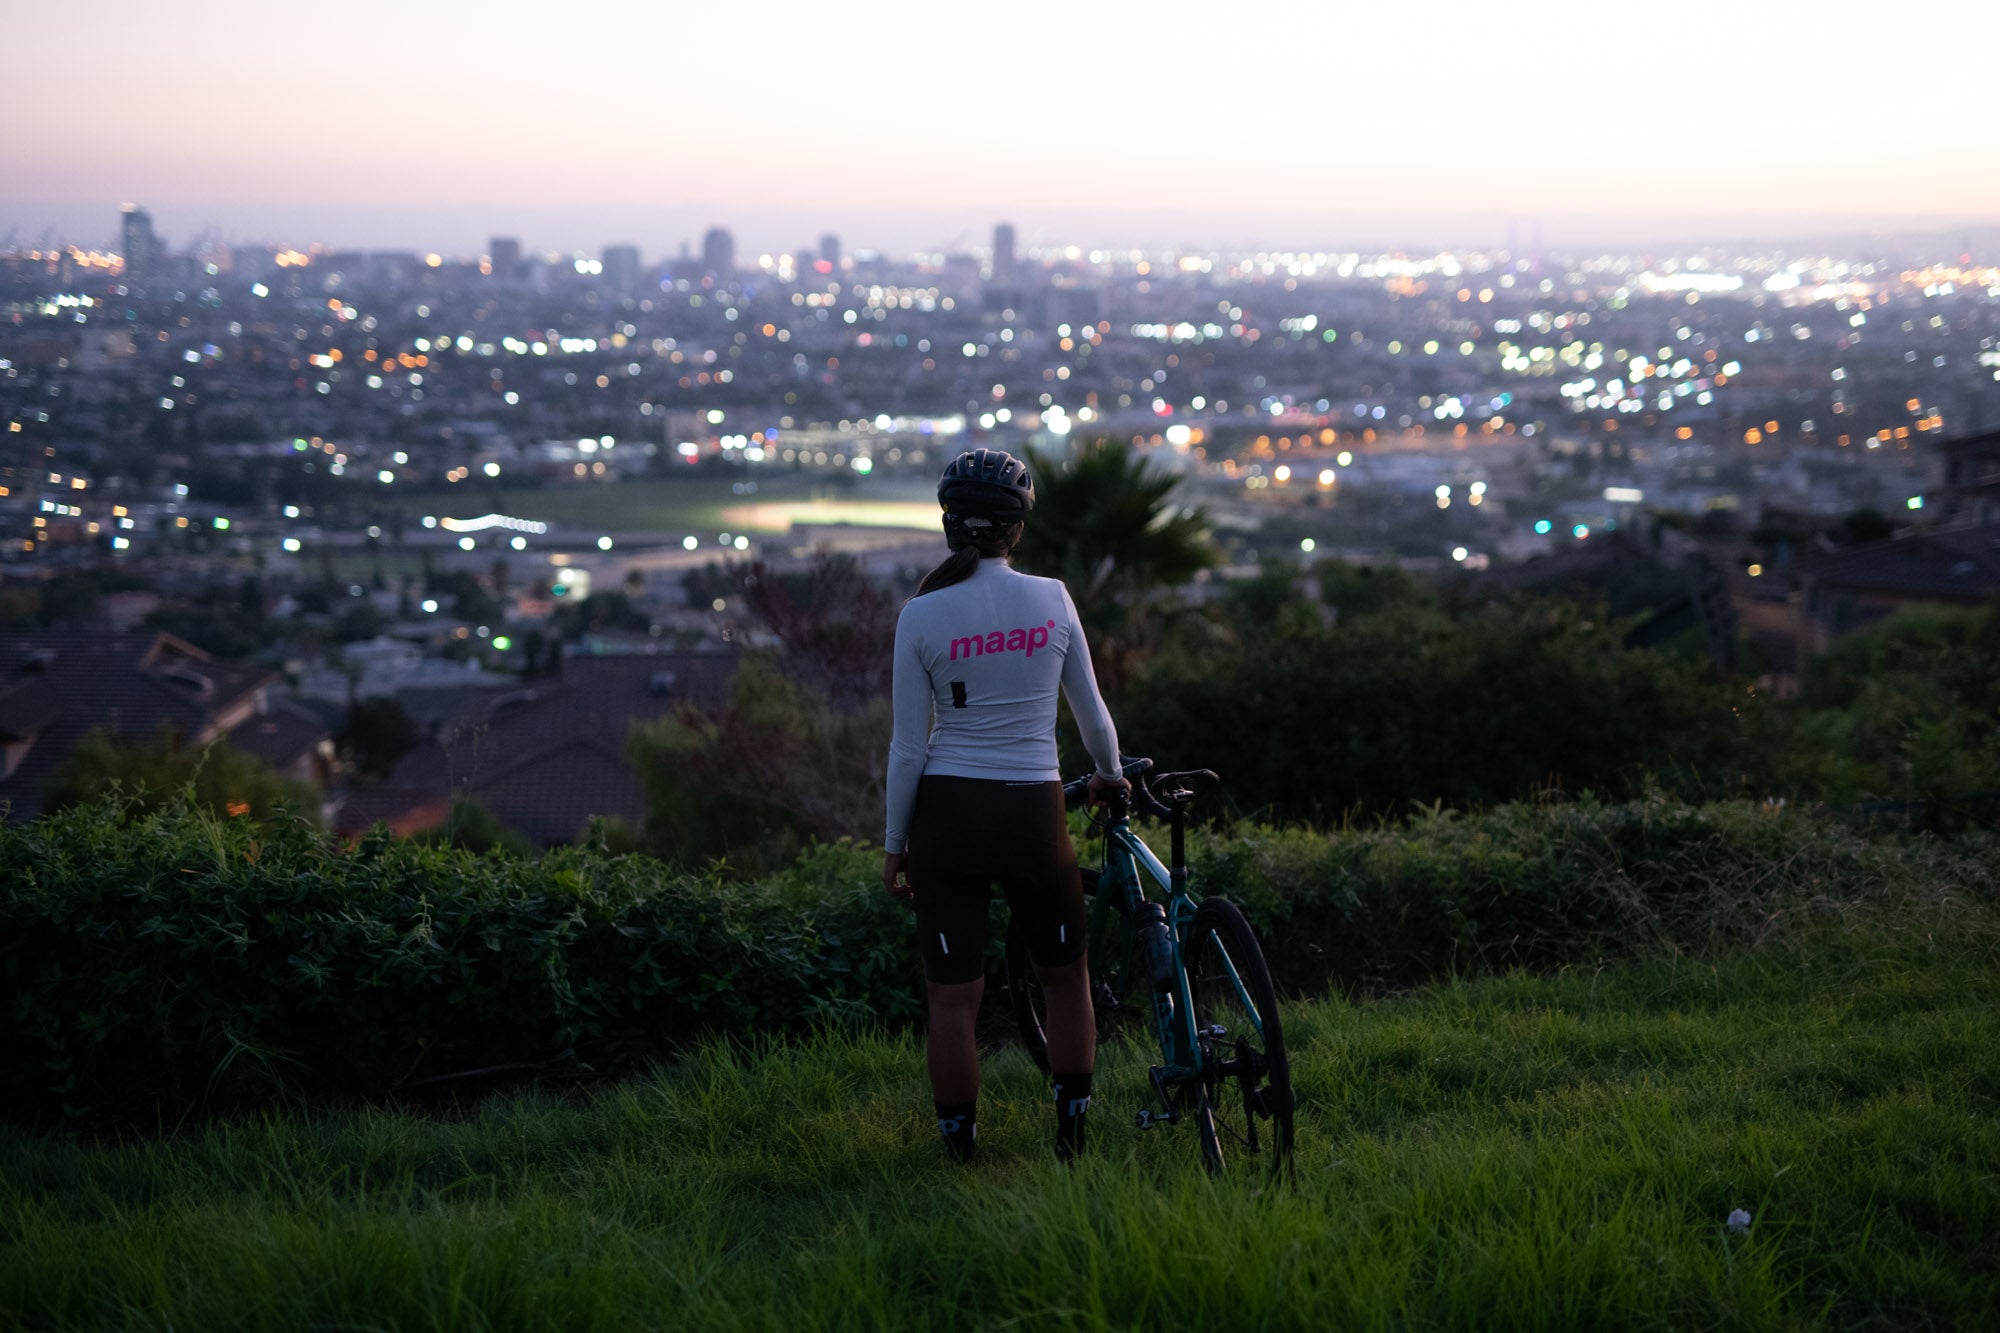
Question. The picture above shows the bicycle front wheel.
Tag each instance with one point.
(1024, 990)
(1244, 1098)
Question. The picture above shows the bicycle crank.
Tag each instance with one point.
(1149, 1117)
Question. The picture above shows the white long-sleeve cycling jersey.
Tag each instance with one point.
(977, 668)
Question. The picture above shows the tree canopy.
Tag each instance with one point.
(1105, 524)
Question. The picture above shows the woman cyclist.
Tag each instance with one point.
(975, 796)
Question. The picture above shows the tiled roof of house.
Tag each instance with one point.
(554, 796)
(1983, 445)
(57, 685)
(27, 708)
(281, 735)
(1961, 565)
(549, 755)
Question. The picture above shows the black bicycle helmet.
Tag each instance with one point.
(987, 483)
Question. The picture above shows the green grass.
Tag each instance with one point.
(1552, 1152)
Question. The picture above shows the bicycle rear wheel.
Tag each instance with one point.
(1244, 1099)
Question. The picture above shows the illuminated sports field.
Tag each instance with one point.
(697, 504)
(780, 515)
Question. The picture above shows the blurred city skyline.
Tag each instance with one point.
(907, 128)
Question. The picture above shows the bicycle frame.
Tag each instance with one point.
(1121, 888)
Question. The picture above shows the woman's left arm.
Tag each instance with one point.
(1086, 702)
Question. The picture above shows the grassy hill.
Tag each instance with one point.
(1519, 1151)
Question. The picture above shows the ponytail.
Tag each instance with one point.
(954, 568)
(968, 548)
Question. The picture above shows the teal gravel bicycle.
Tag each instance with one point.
(1193, 968)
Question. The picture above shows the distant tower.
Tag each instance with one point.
(1003, 251)
(621, 268)
(718, 252)
(829, 250)
(142, 247)
(504, 254)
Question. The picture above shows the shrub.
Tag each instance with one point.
(167, 959)
(151, 771)
(1400, 703)
(1906, 712)
(1553, 884)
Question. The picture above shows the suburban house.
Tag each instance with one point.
(57, 685)
(1971, 491)
(294, 736)
(546, 757)
(1842, 592)
(1952, 561)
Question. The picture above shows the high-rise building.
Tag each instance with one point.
(829, 250)
(718, 252)
(142, 247)
(1003, 251)
(504, 256)
(621, 268)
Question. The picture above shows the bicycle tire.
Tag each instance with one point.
(1247, 1074)
(1024, 987)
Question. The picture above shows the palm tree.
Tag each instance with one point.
(1105, 524)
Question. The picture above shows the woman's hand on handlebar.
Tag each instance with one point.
(1100, 786)
(896, 874)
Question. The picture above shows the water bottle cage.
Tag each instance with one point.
(1156, 944)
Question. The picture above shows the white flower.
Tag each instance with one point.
(1739, 1221)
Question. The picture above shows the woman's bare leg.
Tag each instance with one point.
(951, 1049)
(1070, 1023)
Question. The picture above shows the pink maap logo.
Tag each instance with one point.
(1002, 641)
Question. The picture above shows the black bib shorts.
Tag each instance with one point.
(967, 834)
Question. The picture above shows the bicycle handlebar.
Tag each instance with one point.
(1179, 788)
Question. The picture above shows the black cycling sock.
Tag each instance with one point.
(959, 1126)
(1072, 1104)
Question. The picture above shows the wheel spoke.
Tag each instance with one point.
(1246, 1076)
(1236, 981)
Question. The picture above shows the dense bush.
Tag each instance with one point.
(1372, 698)
(148, 772)
(1906, 711)
(1557, 884)
(172, 959)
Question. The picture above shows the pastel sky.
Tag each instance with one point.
(436, 123)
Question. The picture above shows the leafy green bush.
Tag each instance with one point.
(168, 959)
(1555, 884)
(1311, 709)
(1906, 710)
(470, 826)
(152, 772)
